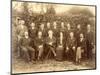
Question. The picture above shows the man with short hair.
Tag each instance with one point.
(63, 29)
(71, 47)
(48, 27)
(90, 41)
(55, 29)
(81, 48)
(32, 33)
(78, 31)
(68, 30)
(39, 42)
(50, 42)
(20, 30)
(42, 29)
(26, 48)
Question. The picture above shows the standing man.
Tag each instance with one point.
(20, 30)
(42, 29)
(33, 33)
(90, 41)
(78, 31)
(55, 29)
(63, 29)
(68, 30)
(48, 27)
(32, 30)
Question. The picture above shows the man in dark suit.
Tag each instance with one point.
(48, 27)
(26, 48)
(78, 30)
(43, 30)
(55, 29)
(90, 41)
(71, 47)
(39, 42)
(50, 42)
(81, 48)
(63, 29)
(68, 30)
(33, 33)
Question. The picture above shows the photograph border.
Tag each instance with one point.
(60, 4)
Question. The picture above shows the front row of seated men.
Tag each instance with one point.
(73, 48)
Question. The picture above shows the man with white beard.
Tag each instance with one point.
(26, 48)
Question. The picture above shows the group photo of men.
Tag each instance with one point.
(53, 35)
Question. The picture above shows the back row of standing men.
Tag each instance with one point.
(37, 43)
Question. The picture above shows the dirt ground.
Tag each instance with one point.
(20, 66)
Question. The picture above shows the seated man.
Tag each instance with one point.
(71, 47)
(27, 50)
(50, 42)
(39, 45)
(60, 47)
(81, 48)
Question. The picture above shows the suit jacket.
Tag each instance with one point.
(20, 31)
(67, 33)
(43, 32)
(49, 40)
(71, 42)
(90, 37)
(63, 30)
(81, 43)
(25, 42)
(39, 41)
(47, 29)
(77, 33)
(55, 32)
(32, 33)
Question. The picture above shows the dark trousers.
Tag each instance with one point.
(89, 51)
(50, 51)
(71, 55)
(28, 53)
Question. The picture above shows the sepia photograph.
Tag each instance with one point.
(52, 37)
